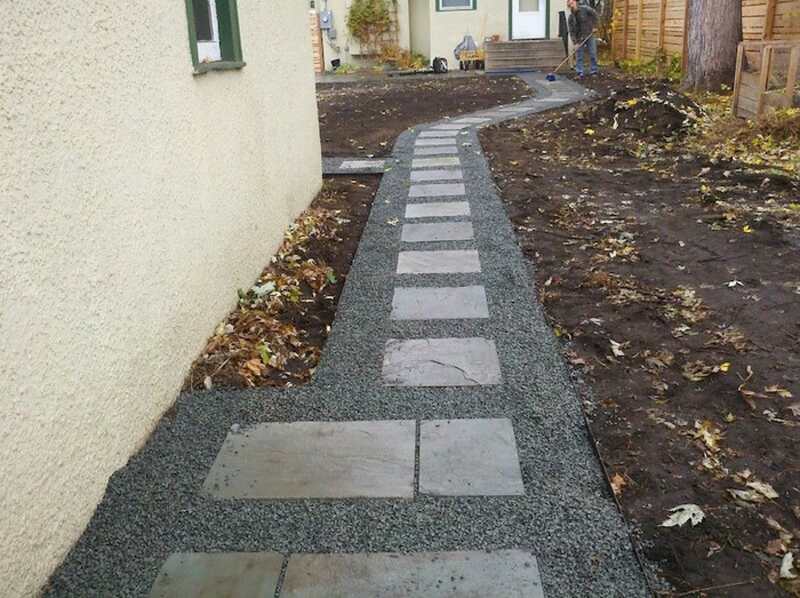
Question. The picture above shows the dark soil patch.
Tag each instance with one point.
(674, 281)
(365, 118)
(275, 335)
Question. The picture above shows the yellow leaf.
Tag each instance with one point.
(724, 367)
(589, 132)
(747, 229)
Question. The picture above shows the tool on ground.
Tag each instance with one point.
(552, 75)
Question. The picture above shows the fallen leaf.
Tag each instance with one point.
(787, 564)
(683, 513)
(618, 482)
(747, 229)
(763, 488)
(777, 390)
(775, 547)
(750, 496)
(616, 348)
(706, 432)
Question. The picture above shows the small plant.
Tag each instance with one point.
(346, 69)
(394, 55)
(368, 21)
(662, 66)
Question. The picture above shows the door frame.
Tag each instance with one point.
(511, 20)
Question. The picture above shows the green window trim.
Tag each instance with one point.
(230, 42)
(474, 6)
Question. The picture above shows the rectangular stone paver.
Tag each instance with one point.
(439, 303)
(316, 460)
(434, 141)
(206, 575)
(437, 190)
(438, 209)
(449, 127)
(434, 162)
(440, 362)
(438, 262)
(419, 176)
(469, 457)
(473, 120)
(496, 574)
(361, 164)
(440, 150)
(431, 133)
(437, 231)
(515, 109)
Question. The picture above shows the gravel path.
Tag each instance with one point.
(566, 518)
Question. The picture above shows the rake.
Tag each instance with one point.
(552, 76)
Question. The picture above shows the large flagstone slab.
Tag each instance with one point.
(438, 262)
(435, 162)
(438, 209)
(469, 457)
(439, 303)
(448, 174)
(441, 362)
(438, 150)
(436, 190)
(437, 231)
(497, 574)
(434, 141)
(432, 133)
(212, 575)
(316, 460)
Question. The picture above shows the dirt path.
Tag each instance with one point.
(364, 118)
(674, 281)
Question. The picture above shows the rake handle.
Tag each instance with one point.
(571, 54)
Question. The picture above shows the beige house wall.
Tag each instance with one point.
(344, 46)
(136, 198)
(420, 22)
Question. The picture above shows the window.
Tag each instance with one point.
(443, 5)
(214, 35)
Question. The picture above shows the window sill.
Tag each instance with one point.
(222, 65)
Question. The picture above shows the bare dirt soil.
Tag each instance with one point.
(674, 280)
(364, 118)
(275, 335)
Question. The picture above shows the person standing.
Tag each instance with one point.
(582, 23)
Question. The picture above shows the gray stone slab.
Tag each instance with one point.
(473, 120)
(434, 141)
(210, 575)
(469, 457)
(419, 176)
(440, 362)
(316, 460)
(437, 209)
(438, 150)
(449, 127)
(437, 231)
(445, 261)
(360, 164)
(497, 574)
(515, 109)
(434, 133)
(437, 190)
(434, 162)
(439, 303)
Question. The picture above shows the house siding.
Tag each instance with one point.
(136, 198)
(420, 23)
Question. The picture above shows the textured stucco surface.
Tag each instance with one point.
(135, 199)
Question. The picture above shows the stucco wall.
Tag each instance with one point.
(136, 199)
(346, 48)
(420, 24)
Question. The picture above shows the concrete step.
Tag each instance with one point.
(523, 55)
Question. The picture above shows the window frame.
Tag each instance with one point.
(439, 8)
(230, 41)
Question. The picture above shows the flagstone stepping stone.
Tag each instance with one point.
(434, 162)
(500, 574)
(439, 303)
(438, 209)
(434, 133)
(433, 141)
(437, 190)
(316, 460)
(361, 164)
(512, 109)
(434, 151)
(437, 231)
(449, 127)
(469, 457)
(440, 362)
(418, 176)
(445, 261)
(230, 574)
(473, 120)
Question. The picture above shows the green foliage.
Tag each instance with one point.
(346, 69)
(402, 59)
(368, 20)
(661, 67)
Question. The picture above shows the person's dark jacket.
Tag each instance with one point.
(582, 23)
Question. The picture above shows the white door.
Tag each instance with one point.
(207, 27)
(528, 19)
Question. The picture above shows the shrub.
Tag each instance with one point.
(368, 20)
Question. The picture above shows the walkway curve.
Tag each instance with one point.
(441, 444)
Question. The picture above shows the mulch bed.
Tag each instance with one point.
(674, 281)
(365, 118)
(276, 333)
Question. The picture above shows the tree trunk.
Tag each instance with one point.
(714, 31)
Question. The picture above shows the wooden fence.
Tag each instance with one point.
(645, 29)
